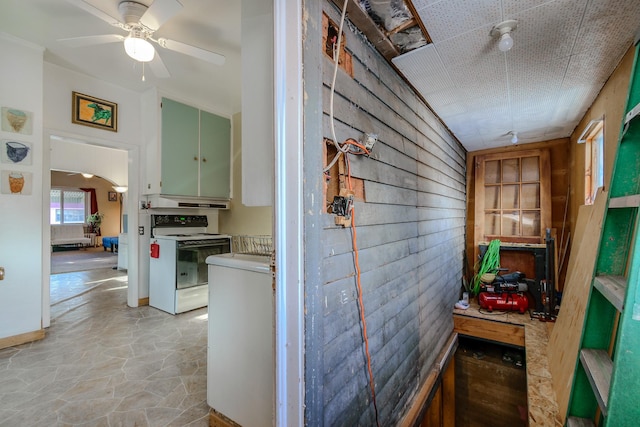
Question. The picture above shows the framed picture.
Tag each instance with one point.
(15, 152)
(17, 121)
(113, 196)
(16, 182)
(94, 112)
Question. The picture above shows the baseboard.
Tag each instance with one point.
(143, 301)
(22, 338)
(216, 419)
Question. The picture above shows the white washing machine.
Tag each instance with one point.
(241, 345)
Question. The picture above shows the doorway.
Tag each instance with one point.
(107, 165)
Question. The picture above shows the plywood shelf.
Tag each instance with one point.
(613, 288)
(632, 201)
(598, 367)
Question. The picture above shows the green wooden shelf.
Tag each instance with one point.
(632, 201)
(598, 367)
(613, 288)
(579, 422)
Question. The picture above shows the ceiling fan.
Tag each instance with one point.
(141, 21)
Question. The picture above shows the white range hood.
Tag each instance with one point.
(161, 201)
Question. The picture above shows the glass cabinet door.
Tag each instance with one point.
(513, 196)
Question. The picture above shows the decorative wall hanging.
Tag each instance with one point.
(113, 196)
(17, 121)
(16, 182)
(15, 152)
(94, 112)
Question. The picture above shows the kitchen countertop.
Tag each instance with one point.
(541, 400)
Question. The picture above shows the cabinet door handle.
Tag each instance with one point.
(204, 159)
(195, 158)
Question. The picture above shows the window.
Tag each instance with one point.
(593, 161)
(512, 196)
(68, 206)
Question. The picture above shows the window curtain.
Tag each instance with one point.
(94, 199)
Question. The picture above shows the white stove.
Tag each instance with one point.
(182, 227)
(178, 275)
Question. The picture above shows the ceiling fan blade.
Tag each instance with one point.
(96, 12)
(158, 67)
(91, 40)
(196, 52)
(160, 12)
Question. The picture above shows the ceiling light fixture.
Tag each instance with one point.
(138, 48)
(503, 30)
(120, 188)
(514, 137)
(87, 175)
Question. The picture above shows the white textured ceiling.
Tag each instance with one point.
(563, 53)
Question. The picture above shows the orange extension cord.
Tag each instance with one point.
(360, 302)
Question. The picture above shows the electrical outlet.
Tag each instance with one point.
(369, 140)
(141, 230)
(342, 205)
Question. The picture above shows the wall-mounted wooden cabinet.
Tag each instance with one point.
(195, 153)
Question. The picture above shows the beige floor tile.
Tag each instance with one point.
(103, 363)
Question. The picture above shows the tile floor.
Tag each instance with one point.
(105, 364)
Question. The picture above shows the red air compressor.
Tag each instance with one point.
(506, 292)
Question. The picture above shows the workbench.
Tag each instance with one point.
(520, 330)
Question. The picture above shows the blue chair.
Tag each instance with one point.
(111, 243)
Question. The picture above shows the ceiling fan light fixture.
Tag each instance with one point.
(138, 48)
(503, 30)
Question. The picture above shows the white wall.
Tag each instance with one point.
(59, 83)
(240, 219)
(21, 220)
(258, 157)
(108, 163)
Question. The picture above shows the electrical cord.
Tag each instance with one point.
(336, 54)
(356, 263)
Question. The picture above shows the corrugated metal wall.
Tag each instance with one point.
(410, 233)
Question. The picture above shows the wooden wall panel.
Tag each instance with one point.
(489, 392)
(565, 338)
(410, 227)
(609, 104)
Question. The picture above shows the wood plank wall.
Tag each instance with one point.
(410, 232)
(560, 176)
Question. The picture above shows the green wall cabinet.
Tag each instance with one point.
(195, 152)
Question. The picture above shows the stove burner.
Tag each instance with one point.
(179, 235)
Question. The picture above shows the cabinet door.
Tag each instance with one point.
(215, 152)
(180, 156)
